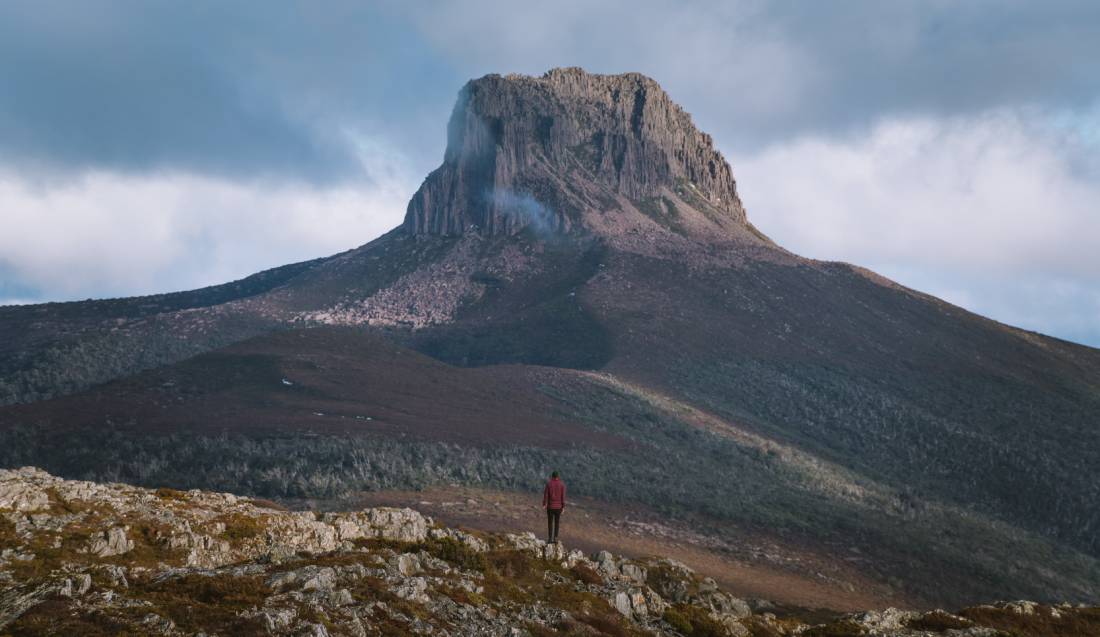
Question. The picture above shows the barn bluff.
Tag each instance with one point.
(549, 151)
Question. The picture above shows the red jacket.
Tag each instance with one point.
(553, 496)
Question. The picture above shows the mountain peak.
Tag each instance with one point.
(548, 151)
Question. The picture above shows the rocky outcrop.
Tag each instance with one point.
(86, 558)
(544, 152)
(108, 549)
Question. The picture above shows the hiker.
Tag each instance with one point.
(553, 500)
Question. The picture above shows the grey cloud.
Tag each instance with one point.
(138, 98)
(242, 90)
(755, 73)
(251, 88)
(531, 212)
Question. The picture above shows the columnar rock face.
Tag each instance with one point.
(545, 152)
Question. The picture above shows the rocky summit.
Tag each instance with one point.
(81, 558)
(548, 152)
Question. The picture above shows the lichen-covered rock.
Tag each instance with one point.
(633, 573)
(407, 564)
(22, 495)
(113, 541)
(471, 541)
(1022, 607)
(75, 586)
(413, 589)
(886, 621)
(145, 559)
(403, 525)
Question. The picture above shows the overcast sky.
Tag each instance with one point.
(154, 146)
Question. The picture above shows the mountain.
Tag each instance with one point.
(578, 286)
(90, 559)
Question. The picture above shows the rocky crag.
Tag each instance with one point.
(86, 558)
(549, 152)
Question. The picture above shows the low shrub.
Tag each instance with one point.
(211, 604)
(239, 526)
(842, 628)
(938, 621)
(694, 621)
(457, 553)
(1069, 622)
(165, 493)
(586, 574)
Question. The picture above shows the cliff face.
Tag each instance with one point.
(545, 152)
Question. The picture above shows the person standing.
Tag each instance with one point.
(553, 500)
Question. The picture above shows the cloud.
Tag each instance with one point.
(994, 211)
(247, 89)
(528, 211)
(233, 90)
(755, 73)
(151, 146)
(112, 234)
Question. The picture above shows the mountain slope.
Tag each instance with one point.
(580, 224)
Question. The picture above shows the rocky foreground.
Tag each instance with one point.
(81, 558)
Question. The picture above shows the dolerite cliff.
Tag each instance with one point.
(80, 558)
(548, 151)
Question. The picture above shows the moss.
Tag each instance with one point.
(678, 621)
(456, 553)
(446, 549)
(463, 596)
(607, 625)
(368, 589)
(586, 574)
(150, 548)
(661, 210)
(1070, 622)
(759, 627)
(843, 628)
(538, 630)
(164, 493)
(263, 503)
(938, 621)
(507, 577)
(313, 614)
(693, 621)
(50, 555)
(59, 505)
(513, 576)
(59, 617)
(687, 191)
(54, 550)
(206, 603)
(239, 527)
(8, 536)
(661, 577)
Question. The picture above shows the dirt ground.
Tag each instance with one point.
(748, 565)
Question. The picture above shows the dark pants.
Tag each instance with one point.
(553, 517)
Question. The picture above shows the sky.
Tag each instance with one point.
(155, 146)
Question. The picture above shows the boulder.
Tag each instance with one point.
(20, 490)
(113, 541)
